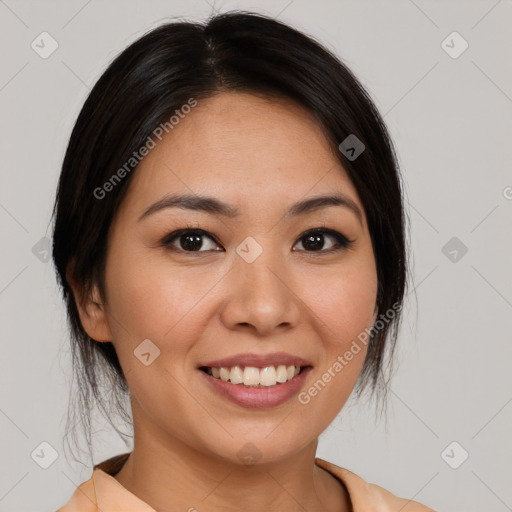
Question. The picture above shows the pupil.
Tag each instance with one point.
(192, 242)
(315, 242)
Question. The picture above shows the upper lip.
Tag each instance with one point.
(258, 360)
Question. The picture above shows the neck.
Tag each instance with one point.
(169, 475)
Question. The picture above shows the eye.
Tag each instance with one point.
(189, 240)
(314, 240)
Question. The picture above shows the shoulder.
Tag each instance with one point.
(102, 492)
(85, 497)
(82, 500)
(366, 496)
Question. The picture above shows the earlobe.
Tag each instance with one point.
(92, 311)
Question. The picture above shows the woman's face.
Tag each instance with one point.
(254, 283)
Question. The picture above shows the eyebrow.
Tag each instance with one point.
(216, 207)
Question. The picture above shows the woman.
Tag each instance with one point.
(229, 238)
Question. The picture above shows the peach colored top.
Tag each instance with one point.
(103, 493)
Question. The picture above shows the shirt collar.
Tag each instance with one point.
(111, 496)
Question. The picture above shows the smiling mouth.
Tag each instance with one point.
(252, 376)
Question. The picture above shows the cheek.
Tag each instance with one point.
(343, 300)
(137, 307)
(146, 297)
(343, 315)
(149, 301)
(152, 299)
(342, 310)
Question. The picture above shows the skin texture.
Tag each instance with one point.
(261, 156)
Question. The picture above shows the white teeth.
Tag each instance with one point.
(252, 376)
(268, 376)
(236, 375)
(281, 374)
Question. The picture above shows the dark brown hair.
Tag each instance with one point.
(142, 88)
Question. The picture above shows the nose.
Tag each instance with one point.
(260, 296)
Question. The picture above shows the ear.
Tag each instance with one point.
(91, 310)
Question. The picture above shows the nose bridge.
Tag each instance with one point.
(261, 260)
(259, 292)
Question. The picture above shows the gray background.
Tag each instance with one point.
(450, 119)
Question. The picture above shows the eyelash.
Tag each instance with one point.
(341, 241)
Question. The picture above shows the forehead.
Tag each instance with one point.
(242, 148)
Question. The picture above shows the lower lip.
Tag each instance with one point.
(247, 396)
